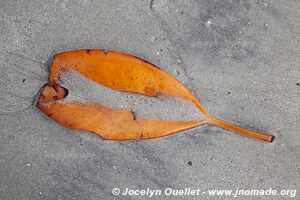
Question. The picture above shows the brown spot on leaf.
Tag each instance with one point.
(105, 51)
(150, 91)
(133, 114)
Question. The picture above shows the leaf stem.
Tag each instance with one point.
(226, 125)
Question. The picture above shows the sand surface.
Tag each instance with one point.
(239, 58)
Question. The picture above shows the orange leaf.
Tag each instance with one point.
(119, 72)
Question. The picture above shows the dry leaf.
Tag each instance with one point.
(129, 74)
